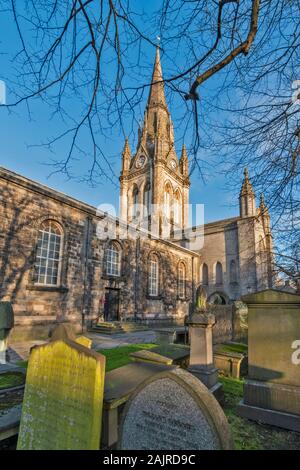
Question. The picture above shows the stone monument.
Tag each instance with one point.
(173, 411)
(272, 391)
(6, 324)
(201, 342)
(62, 406)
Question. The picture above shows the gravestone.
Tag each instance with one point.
(170, 354)
(6, 324)
(63, 399)
(174, 411)
(272, 390)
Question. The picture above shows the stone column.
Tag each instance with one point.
(201, 356)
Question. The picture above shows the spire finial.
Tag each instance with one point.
(246, 174)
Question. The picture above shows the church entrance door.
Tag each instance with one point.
(111, 305)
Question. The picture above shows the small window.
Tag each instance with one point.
(205, 274)
(113, 260)
(181, 280)
(219, 273)
(48, 254)
(153, 275)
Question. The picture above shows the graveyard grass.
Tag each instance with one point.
(119, 357)
(248, 435)
(11, 379)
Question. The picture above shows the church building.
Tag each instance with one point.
(63, 260)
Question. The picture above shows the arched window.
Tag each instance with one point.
(219, 273)
(204, 274)
(181, 280)
(232, 271)
(153, 280)
(147, 199)
(177, 208)
(135, 202)
(48, 254)
(113, 259)
(168, 192)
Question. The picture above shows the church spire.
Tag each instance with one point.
(126, 157)
(157, 89)
(184, 162)
(247, 197)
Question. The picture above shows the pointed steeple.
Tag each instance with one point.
(262, 203)
(247, 197)
(157, 89)
(184, 162)
(246, 186)
(126, 157)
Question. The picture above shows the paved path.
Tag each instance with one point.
(20, 351)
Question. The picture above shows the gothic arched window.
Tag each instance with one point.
(181, 280)
(135, 202)
(153, 275)
(204, 274)
(147, 199)
(232, 271)
(219, 273)
(113, 259)
(177, 208)
(48, 254)
(168, 198)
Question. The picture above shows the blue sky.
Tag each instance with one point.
(20, 152)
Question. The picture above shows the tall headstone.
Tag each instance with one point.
(201, 343)
(6, 324)
(272, 391)
(63, 399)
(174, 411)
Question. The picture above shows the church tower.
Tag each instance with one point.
(247, 197)
(154, 181)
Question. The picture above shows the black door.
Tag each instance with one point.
(111, 305)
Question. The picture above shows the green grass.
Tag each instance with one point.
(235, 348)
(22, 364)
(11, 379)
(119, 357)
(249, 435)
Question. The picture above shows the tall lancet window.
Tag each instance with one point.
(153, 275)
(181, 280)
(177, 208)
(147, 199)
(168, 192)
(219, 273)
(135, 202)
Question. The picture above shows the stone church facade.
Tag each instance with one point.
(62, 260)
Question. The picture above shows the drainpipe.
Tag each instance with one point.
(85, 270)
(136, 280)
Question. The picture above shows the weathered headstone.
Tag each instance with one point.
(174, 411)
(272, 391)
(63, 399)
(201, 358)
(84, 341)
(171, 354)
(6, 324)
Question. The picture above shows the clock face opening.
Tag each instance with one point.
(141, 161)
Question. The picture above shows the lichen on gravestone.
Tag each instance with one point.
(63, 399)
